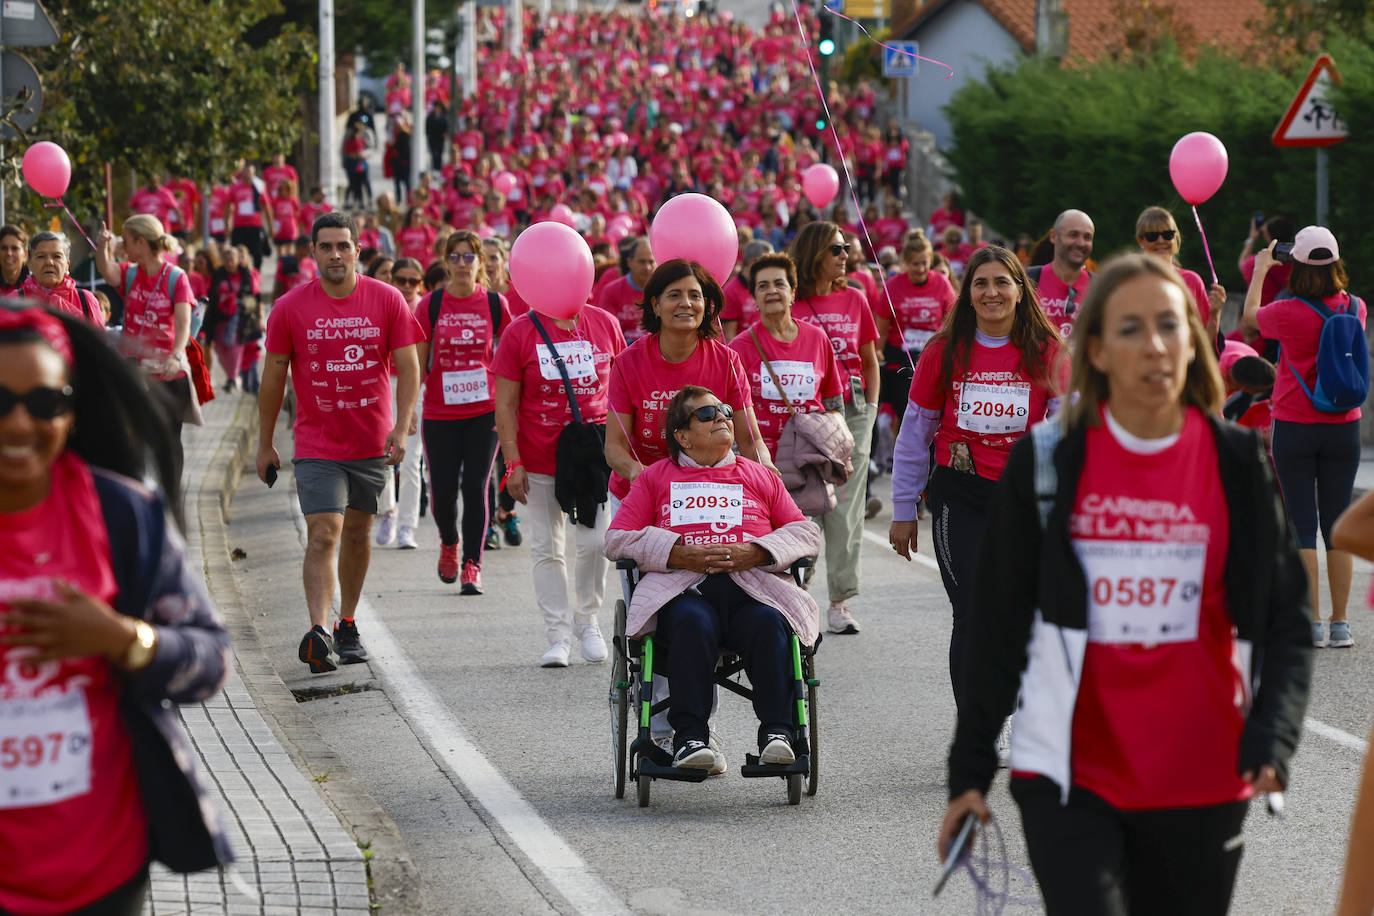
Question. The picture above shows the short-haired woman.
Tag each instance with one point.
(825, 299)
(1158, 235)
(1316, 453)
(1136, 565)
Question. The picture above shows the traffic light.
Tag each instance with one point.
(826, 45)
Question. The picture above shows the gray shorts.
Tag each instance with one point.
(323, 485)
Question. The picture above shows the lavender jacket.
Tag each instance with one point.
(771, 585)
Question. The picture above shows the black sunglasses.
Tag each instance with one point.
(839, 249)
(711, 411)
(1070, 302)
(1165, 234)
(41, 403)
(408, 281)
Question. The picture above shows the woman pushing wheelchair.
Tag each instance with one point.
(713, 536)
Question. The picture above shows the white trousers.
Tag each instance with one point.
(408, 507)
(553, 546)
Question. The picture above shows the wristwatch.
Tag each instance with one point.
(141, 651)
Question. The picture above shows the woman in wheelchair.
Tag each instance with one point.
(713, 535)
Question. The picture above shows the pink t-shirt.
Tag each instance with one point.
(805, 368)
(921, 310)
(286, 214)
(622, 300)
(311, 211)
(459, 384)
(643, 383)
(522, 356)
(243, 201)
(1054, 297)
(1297, 327)
(730, 503)
(274, 176)
(416, 242)
(1199, 291)
(847, 320)
(160, 203)
(149, 315)
(340, 351)
(890, 230)
(219, 200)
(65, 297)
(739, 304)
(77, 830)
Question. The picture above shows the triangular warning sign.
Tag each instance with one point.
(1312, 120)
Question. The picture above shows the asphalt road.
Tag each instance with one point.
(498, 772)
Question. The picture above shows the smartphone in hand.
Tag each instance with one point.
(958, 851)
(271, 475)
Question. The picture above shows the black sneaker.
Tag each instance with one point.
(351, 651)
(511, 525)
(694, 755)
(314, 651)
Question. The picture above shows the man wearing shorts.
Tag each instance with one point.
(338, 335)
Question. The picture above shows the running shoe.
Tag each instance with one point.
(873, 507)
(776, 748)
(593, 644)
(405, 538)
(386, 531)
(448, 563)
(557, 656)
(493, 541)
(315, 649)
(718, 766)
(346, 642)
(694, 755)
(511, 525)
(1341, 637)
(472, 578)
(840, 620)
(1318, 635)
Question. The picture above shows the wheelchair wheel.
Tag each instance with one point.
(619, 701)
(813, 779)
(794, 787)
(644, 790)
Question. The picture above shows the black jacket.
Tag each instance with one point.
(1023, 572)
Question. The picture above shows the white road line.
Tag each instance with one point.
(547, 851)
(886, 545)
(1331, 733)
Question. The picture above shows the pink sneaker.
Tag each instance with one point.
(472, 578)
(448, 563)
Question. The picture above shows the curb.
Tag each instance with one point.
(395, 881)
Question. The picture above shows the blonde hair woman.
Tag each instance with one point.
(1158, 235)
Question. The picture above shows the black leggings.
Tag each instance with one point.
(254, 238)
(459, 454)
(959, 509)
(1316, 465)
(1091, 858)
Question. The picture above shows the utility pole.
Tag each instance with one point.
(515, 28)
(329, 142)
(417, 93)
(469, 37)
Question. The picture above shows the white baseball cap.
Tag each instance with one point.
(1315, 245)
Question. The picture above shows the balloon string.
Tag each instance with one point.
(839, 151)
(1205, 247)
(74, 222)
(902, 51)
(994, 895)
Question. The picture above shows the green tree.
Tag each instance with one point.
(379, 29)
(175, 87)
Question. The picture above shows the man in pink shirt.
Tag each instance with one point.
(339, 334)
(277, 174)
(621, 297)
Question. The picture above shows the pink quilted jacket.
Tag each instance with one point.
(813, 455)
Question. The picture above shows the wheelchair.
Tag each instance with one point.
(632, 668)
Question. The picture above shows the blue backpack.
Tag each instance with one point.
(1342, 360)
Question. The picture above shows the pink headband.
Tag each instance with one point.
(43, 323)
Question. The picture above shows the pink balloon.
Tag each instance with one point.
(551, 267)
(820, 184)
(47, 168)
(504, 182)
(696, 228)
(1198, 166)
(562, 213)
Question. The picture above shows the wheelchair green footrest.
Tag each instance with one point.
(752, 769)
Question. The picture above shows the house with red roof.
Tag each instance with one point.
(973, 35)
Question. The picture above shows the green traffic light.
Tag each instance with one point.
(827, 47)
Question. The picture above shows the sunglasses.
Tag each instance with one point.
(405, 281)
(462, 257)
(1165, 234)
(711, 411)
(1070, 302)
(839, 249)
(41, 403)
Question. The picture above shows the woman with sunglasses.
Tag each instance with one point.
(1157, 235)
(406, 276)
(981, 383)
(1141, 590)
(459, 413)
(104, 625)
(825, 299)
(716, 576)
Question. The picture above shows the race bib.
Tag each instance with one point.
(469, 152)
(216, 225)
(246, 208)
(798, 380)
(45, 750)
(994, 409)
(916, 339)
(1142, 591)
(705, 503)
(467, 387)
(578, 359)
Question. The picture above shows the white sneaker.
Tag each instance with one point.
(405, 538)
(777, 750)
(557, 656)
(386, 531)
(593, 645)
(719, 766)
(840, 620)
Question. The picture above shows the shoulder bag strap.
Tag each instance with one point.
(436, 299)
(86, 303)
(562, 369)
(130, 273)
(769, 366)
(1045, 437)
(494, 306)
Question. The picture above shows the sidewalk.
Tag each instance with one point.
(292, 850)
